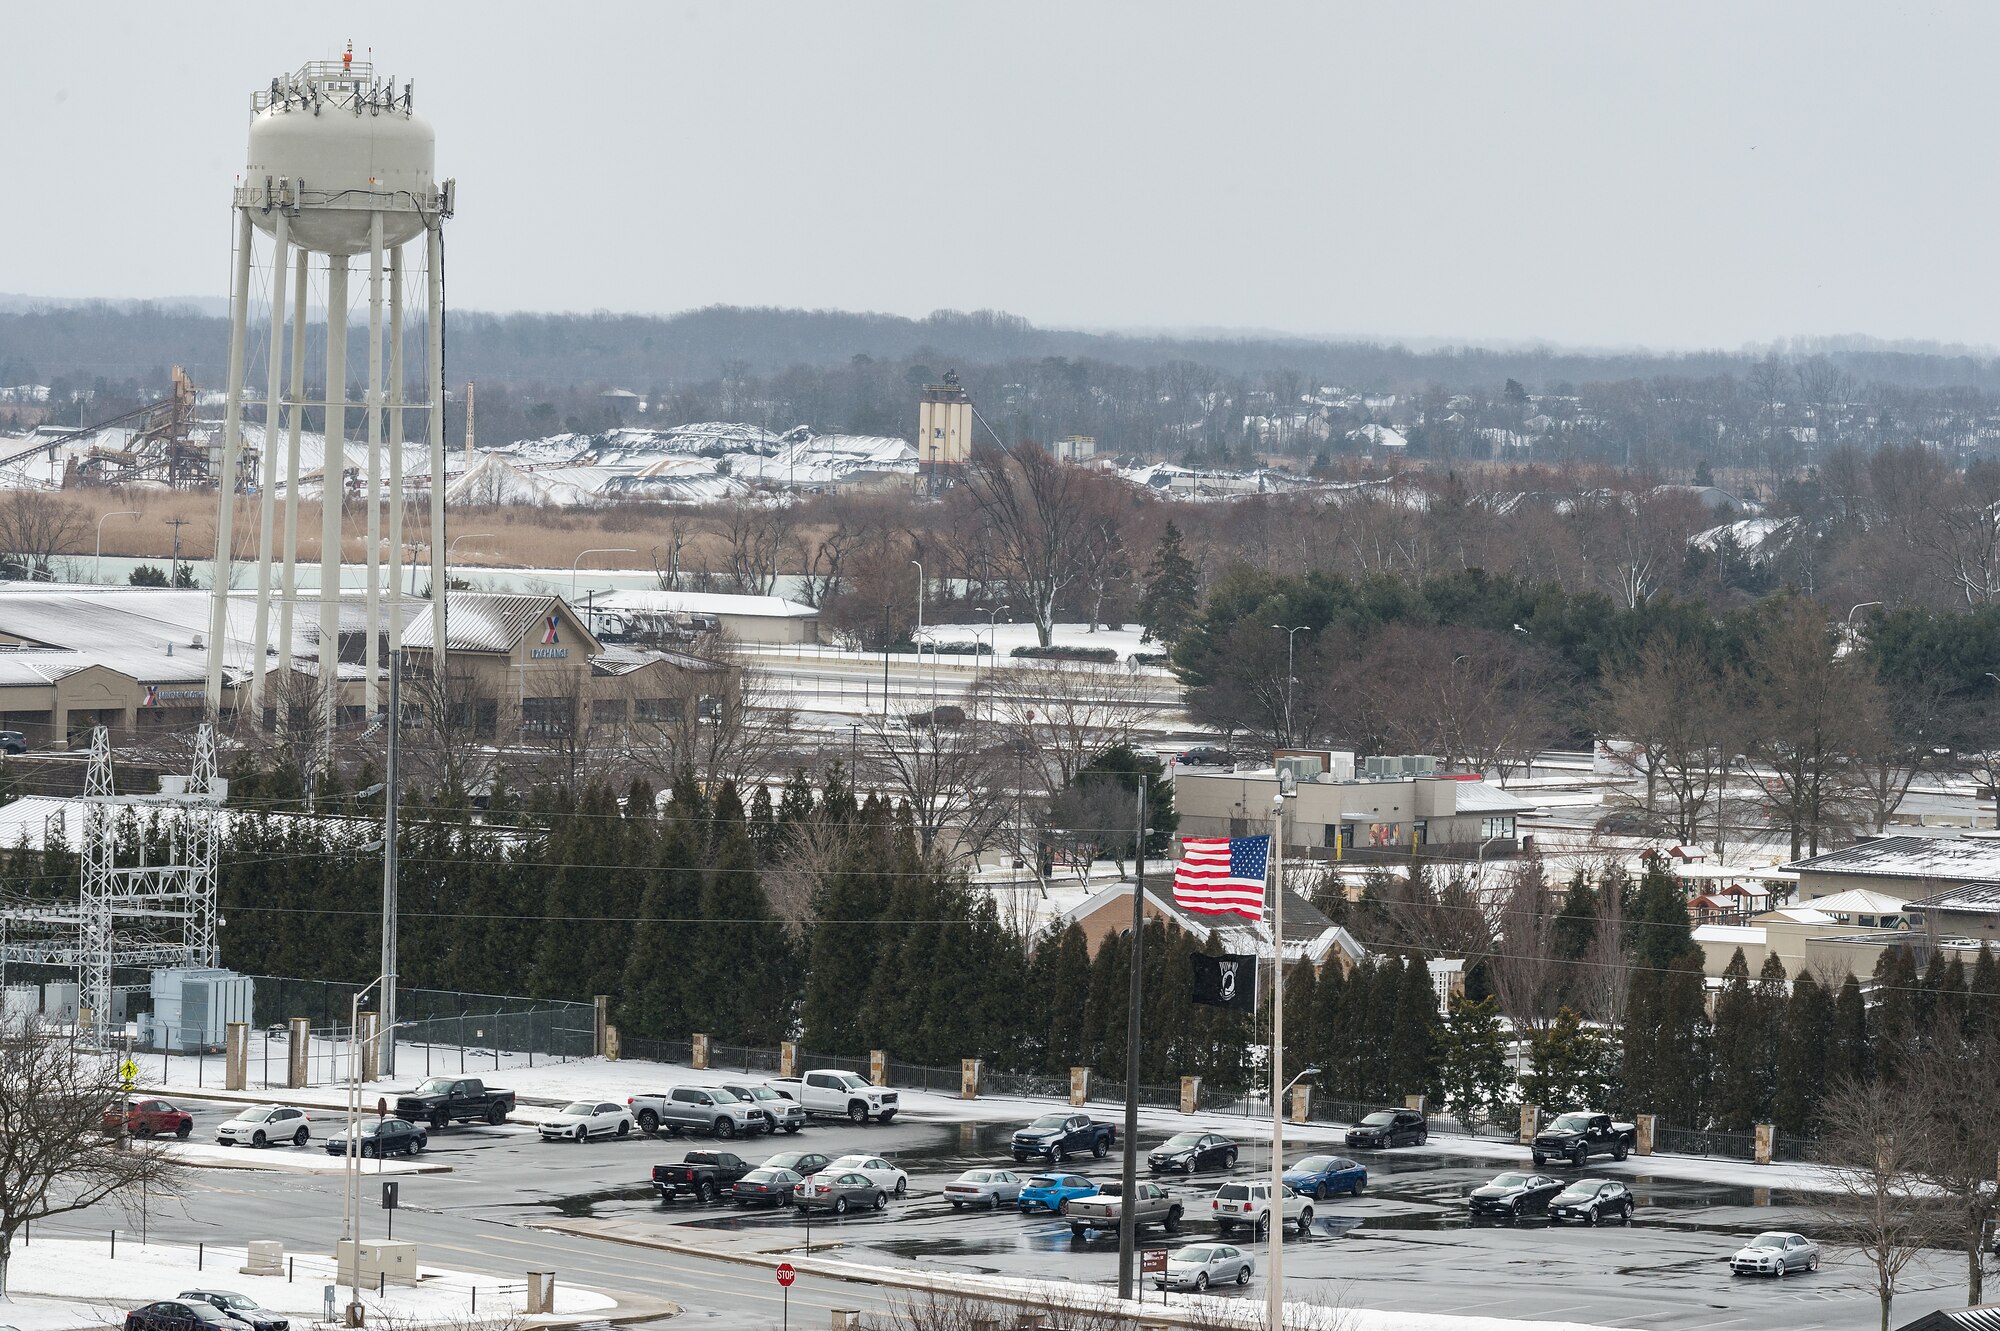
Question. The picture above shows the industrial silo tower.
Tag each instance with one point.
(340, 174)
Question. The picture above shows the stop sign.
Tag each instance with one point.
(786, 1275)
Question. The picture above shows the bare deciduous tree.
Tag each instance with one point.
(35, 528)
(1874, 1198)
(1062, 714)
(947, 775)
(1044, 517)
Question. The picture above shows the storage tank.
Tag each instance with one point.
(60, 1002)
(19, 1005)
(332, 144)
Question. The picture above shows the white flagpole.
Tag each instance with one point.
(1277, 1207)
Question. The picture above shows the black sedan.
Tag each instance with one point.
(1390, 1127)
(382, 1136)
(180, 1315)
(1514, 1195)
(1592, 1200)
(766, 1187)
(1185, 1152)
(240, 1306)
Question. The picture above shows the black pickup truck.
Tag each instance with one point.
(443, 1100)
(1580, 1134)
(703, 1175)
(1057, 1137)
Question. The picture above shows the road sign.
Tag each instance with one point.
(786, 1275)
(382, 1106)
(1153, 1261)
(388, 1194)
(128, 1072)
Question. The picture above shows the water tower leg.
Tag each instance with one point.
(290, 585)
(434, 388)
(267, 482)
(232, 442)
(332, 490)
(371, 650)
(395, 452)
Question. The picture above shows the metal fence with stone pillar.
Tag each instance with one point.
(236, 1056)
(1531, 1123)
(878, 1067)
(1079, 1087)
(599, 1023)
(611, 1043)
(298, 1052)
(1420, 1103)
(1644, 1124)
(1301, 1101)
(698, 1051)
(1190, 1094)
(969, 1070)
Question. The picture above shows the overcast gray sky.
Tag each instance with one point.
(1671, 175)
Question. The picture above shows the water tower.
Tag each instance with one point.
(340, 167)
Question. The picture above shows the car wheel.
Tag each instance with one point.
(1423, 1138)
(725, 1128)
(902, 1186)
(422, 1143)
(881, 1200)
(1360, 1185)
(187, 1126)
(1306, 1221)
(1224, 1229)
(793, 1127)
(1813, 1264)
(1593, 1215)
(1173, 1219)
(840, 1206)
(1628, 1213)
(1098, 1148)
(367, 1150)
(958, 1206)
(1618, 1152)
(1201, 1282)
(1076, 1231)
(495, 1116)
(1263, 1224)
(1229, 1160)
(857, 1113)
(1243, 1274)
(624, 1127)
(1062, 1207)
(582, 1134)
(649, 1122)
(439, 1122)
(257, 1138)
(300, 1137)
(1515, 1212)
(1540, 1160)
(1580, 1157)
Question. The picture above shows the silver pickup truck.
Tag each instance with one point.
(1153, 1205)
(697, 1109)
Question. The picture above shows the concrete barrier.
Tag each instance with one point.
(788, 1059)
(698, 1052)
(611, 1045)
(1767, 1138)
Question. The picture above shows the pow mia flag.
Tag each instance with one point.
(1226, 981)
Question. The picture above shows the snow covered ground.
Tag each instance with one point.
(57, 1284)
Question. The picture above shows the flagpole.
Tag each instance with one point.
(1277, 1207)
(1128, 1229)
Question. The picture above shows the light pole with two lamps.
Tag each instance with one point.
(1278, 1088)
(1291, 637)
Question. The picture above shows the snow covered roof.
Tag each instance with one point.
(1859, 901)
(1737, 935)
(1379, 436)
(484, 621)
(1485, 798)
(703, 603)
(1799, 915)
(1960, 858)
(493, 479)
(1982, 898)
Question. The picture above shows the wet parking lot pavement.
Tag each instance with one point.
(1406, 1243)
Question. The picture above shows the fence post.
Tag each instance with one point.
(371, 1023)
(1767, 1134)
(968, 1078)
(236, 1061)
(611, 1043)
(698, 1051)
(1301, 1101)
(1531, 1123)
(1644, 1123)
(878, 1067)
(1190, 1094)
(1416, 1102)
(601, 1022)
(788, 1059)
(298, 1070)
(1079, 1086)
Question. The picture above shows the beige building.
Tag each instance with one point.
(944, 424)
(1332, 816)
(1905, 867)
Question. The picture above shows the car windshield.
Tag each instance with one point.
(1378, 1120)
(1193, 1256)
(1181, 1141)
(262, 1114)
(1576, 1191)
(1572, 1123)
(1508, 1181)
(762, 1175)
(788, 1161)
(1049, 1121)
(852, 1082)
(762, 1093)
(582, 1107)
(1768, 1241)
(435, 1086)
(235, 1300)
(1316, 1164)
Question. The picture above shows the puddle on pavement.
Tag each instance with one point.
(584, 1204)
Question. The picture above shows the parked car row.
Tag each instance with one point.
(792, 1178)
(205, 1310)
(743, 1108)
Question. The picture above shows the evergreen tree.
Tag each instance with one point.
(1850, 1050)
(1472, 1059)
(1894, 1020)
(1738, 1050)
(1639, 1040)
(1335, 1051)
(738, 973)
(1168, 605)
(1983, 997)
(842, 950)
(1576, 923)
(1658, 919)
(1302, 1042)
(1568, 1064)
(763, 824)
(1806, 1037)
(1681, 1058)
(1413, 1052)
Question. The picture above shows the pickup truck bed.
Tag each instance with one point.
(702, 1175)
(1154, 1206)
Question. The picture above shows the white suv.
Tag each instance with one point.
(1249, 1205)
(838, 1093)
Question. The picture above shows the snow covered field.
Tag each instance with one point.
(58, 1284)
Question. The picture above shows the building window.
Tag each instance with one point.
(1340, 836)
(607, 712)
(1496, 827)
(658, 709)
(548, 717)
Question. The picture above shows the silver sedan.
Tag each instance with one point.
(984, 1187)
(1200, 1265)
(1774, 1253)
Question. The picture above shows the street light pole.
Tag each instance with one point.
(993, 635)
(1290, 672)
(1128, 1221)
(449, 546)
(605, 550)
(1277, 1204)
(390, 797)
(920, 639)
(97, 568)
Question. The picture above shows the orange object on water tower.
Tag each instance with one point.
(347, 59)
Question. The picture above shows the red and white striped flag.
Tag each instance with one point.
(1222, 875)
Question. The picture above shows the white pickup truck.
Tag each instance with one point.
(837, 1093)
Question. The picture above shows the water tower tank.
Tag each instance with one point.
(331, 145)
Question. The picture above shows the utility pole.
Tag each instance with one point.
(391, 796)
(1128, 1221)
(174, 575)
(1278, 1085)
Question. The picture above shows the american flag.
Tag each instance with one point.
(1222, 875)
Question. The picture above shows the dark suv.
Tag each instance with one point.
(1390, 1127)
(13, 741)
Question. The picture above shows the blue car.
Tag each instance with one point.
(1321, 1176)
(1054, 1192)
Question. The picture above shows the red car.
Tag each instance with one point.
(151, 1118)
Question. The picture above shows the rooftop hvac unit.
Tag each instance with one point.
(1299, 769)
(1377, 768)
(1420, 764)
